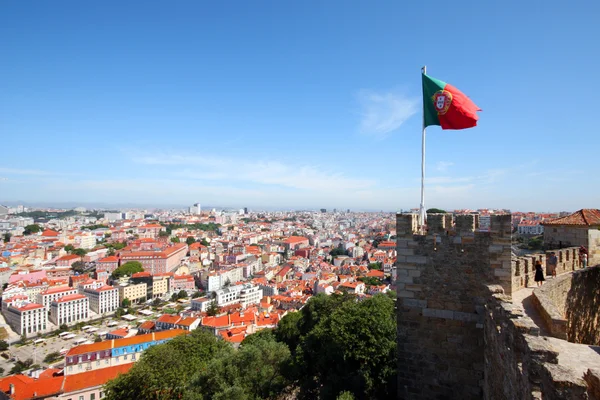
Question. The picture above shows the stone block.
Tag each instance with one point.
(405, 294)
(416, 259)
(414, 303)
(414, 273)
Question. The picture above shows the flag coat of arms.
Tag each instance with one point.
(446, 106)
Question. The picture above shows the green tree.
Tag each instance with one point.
(213, 308)
(69, 248)
(351, 349)
(3, 345)
(156, 302)
(182, 294)
(197, 294)
(164, 370)
(288, 330)
(190, 240)
(30, 229)
(126, 303)
(79, 252)
(6, 237)
(345, 396)
(204, 242)
(163, 234)
(78, 266)
(255, 371)
(376, 266)
(175, 239)
(338, 251)
(52, 357)
(129, 268)
(370, 280)
(435, 211)
(63, 328)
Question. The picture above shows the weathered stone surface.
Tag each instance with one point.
(592, 378)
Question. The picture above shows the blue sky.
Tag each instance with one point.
(281, 104)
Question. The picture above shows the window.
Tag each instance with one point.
(80, 397)
(125, 357)
(93, 396)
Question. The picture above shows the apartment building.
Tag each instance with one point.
(108, 264)
(110, 353)
(183, 282)
(134, 292)
(103, 300)
(157, 262)
(69, 309)
(244, 294)
(47, 297)
(27, 319)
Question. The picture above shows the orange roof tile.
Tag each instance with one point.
(94, 378)
(71, 297)
(110, 344)
(583, 217)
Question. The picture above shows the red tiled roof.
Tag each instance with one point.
(169, 319)
(50, 233)
(295, 239)
(71, 297)
(110, 344)
(26, 388)
(57, 290)
(110, 259)
(99, 377)
(30, 306)
(69, 257)
(583, 217)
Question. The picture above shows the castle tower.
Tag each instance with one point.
(441, 290)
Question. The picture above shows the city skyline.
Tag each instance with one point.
(294, 106)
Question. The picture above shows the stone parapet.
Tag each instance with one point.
(519, 364)
(523, 268)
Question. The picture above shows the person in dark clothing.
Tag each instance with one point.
(539, 273)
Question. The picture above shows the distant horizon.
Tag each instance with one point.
(132, 206)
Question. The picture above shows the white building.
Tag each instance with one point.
(103, 300)
(195, 209)
(244, 294)
(85, 241)
(530, 228)
(27, 319)
(113, 216)
(201, 304)
(69, 309)
(48, 296)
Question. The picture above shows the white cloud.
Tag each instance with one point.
(385, 112)
(442, 166)
(17, 171)
(264, 172)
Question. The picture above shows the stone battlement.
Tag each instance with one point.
(523, 268)
(444, 303)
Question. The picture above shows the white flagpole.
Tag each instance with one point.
(422, 213)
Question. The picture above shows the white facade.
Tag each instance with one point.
(530, 229)
(86, 241)
(103, 300)
(69, 309)
(50, 295)
(245, 294)
(28, 319)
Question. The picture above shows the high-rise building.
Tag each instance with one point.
(195, 209)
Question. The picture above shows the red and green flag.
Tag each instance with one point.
(445, 105)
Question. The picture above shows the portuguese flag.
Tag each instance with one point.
(445, 105)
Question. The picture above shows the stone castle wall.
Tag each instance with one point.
(441, 299)
(582, 307)
(520, 364)
(523, 268)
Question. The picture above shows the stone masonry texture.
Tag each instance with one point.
(441, 300)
